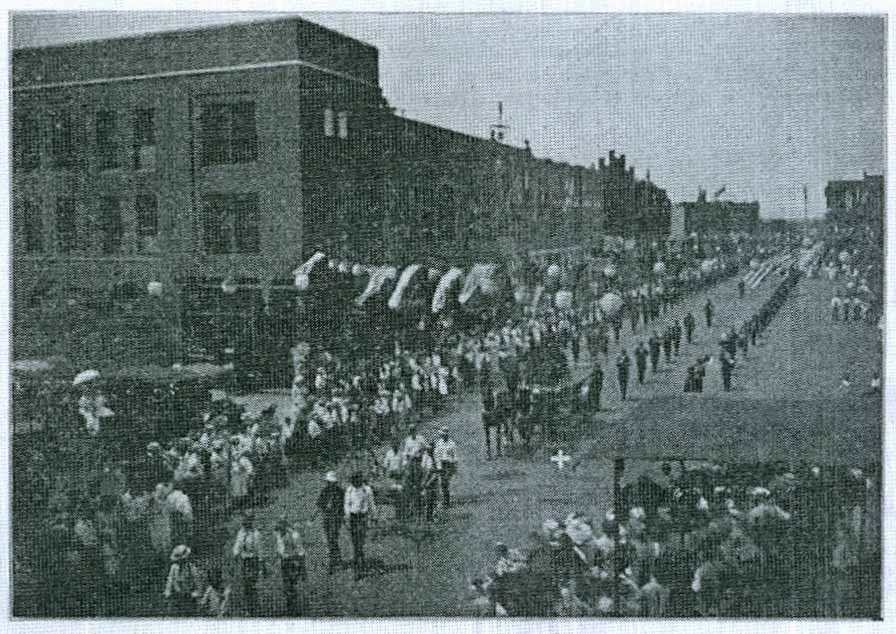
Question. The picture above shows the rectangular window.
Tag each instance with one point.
(228, 133)
(66, 229)
(329, 122)
(343, 125)
(62, 139)
(144, 139)
(231, 223)
(106, 140)
(110, 225)
(26, 141)
(29, 222)
(147, 211)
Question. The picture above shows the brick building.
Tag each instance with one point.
(193, 157)
(856, 201)
(719, 216)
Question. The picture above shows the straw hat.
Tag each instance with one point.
(85, 377)
(331, 476)
(180, 553)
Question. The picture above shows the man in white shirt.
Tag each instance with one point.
(445, 455)
(358, 506)
(247, 549)
(414, 443)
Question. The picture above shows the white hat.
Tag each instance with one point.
(180, 552)
(85, 376)
(331, 476)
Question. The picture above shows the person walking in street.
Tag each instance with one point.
(291, 552)
(708, 311)
(741, 288)
(359, 508)
(247, 551)
(641, 354)
(667, 344)
(622, 367)
(676, 335)
(445, 454)
(654, 343)
(689, 324)
(727, 367)
(699, 373)
(595, 387)
(330, 502)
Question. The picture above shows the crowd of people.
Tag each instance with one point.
(164, 509)
(701, 540)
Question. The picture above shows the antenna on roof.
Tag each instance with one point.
(500, 129)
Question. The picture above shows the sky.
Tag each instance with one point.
(760, 104)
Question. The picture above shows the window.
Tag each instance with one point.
(147, 211)
(62, 139)
(144, 139)
(26, 141)
(66, 229)
(30, 224)
(231, 223)
(228, 133)
(106, 141)
(343, 125)
(329, 122)
(111, 227)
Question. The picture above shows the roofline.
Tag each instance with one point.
(198, 29)
(194, 71)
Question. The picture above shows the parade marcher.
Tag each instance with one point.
(676, 335)
(690, 381)
(622, 366)
(641, 354)
(708, 310)
(689, 325)
(291, 552)
(654, 343)
(247, 550)
(414, 443)
(667, 344)
(700, 372)
(330, 502)
(595, 387)
(727, 367)
(741, 287)
(836, 303)
(430, 489)
(359, 508)
(445, 454)
(182, 585)
(394, 461)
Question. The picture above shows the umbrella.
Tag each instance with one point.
(31, 365)
(85, 376)
(610, 304)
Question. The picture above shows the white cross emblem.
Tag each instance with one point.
(560, 459)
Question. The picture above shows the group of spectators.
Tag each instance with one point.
(700, 540)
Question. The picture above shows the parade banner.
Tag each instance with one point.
(438, 300)
(403, 281)
(378, 277)
(479, 278)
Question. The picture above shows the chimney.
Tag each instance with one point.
(601, 163)
(622, 162)
(612, 155)
(647, 176)
(528, 147)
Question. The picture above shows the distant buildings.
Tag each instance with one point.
(858, 201)
(718, 216)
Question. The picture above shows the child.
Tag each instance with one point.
(215, 601)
